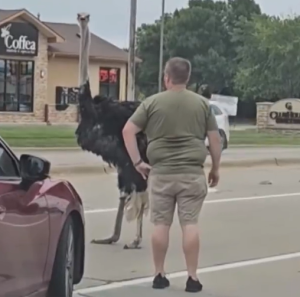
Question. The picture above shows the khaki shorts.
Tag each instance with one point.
(187, 190)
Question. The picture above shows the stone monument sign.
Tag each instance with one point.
(281, 115)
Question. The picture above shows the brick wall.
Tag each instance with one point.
(70, 115)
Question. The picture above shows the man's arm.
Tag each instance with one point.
(134, 125)
(215, 148)
(214, 139)
(129, 134)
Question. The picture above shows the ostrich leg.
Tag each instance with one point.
(118, 225)
(139, 232)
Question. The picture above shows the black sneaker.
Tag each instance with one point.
(193, 286)
(160, 282)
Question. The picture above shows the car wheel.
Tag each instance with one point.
(223, 139)
(61, 283)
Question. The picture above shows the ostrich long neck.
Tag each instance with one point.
(87, 108)
(84, 52)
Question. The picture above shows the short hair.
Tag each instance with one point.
(178, 70)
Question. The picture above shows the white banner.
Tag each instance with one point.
(228, 103)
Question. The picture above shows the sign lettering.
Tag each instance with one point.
(19, 39)
(286, 111)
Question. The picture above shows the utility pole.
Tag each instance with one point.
(131, 55)
(161, 46)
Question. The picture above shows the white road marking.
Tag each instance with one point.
(212, 190)
(179, 274)
(240, 199)
(251, 198)
(100, 210)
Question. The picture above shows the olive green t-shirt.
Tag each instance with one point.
(176, 124)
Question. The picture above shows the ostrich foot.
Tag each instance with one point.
(118, 225)
(135, 245)
(109, 240)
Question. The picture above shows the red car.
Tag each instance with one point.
(41, 229)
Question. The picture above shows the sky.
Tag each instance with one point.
(110, 18)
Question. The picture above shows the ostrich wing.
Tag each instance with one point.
(104, 137)
(109, 147)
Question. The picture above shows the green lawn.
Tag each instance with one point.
(64, 136)
(39, 136)
(252, 137)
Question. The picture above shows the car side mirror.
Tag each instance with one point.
(33, 168)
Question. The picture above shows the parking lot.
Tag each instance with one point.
(249, 230)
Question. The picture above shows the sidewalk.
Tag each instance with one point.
(69, 161)
(77, 161)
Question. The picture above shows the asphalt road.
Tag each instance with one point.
(250, 239)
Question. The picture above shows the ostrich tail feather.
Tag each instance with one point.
(134, 205)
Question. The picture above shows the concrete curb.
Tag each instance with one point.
(64, 149)
(65, 170)
(105, 169)
(262, 162)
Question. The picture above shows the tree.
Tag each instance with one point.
(202, 33)
(269, 59)
(148, 40)
(198, 34)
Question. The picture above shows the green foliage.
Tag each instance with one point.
(204, 34)
(199, 35)
(148, 40)
(269, 59)
(233, 47)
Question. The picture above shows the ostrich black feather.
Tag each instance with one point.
(100, 132)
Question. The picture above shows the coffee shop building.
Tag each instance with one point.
(39, 69)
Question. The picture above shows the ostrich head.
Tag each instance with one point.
(205, 91)
(86, 107)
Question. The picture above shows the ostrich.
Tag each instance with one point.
(100, 132)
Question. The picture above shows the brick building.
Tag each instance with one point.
(39, 69)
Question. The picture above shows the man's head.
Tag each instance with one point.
(205, 91)
(177, 72)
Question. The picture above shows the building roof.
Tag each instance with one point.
(100, 48)
(63, 38)
(9, 15)
(4, 14)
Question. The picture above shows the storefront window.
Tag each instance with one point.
(16, 85)
(109, 82)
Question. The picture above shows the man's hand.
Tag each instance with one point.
(143, 169)
(215, 152)
(213, 178)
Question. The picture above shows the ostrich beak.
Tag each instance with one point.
(83, 17)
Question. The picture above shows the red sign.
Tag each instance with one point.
(108, 75)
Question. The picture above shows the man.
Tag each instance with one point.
(176, 123)
(205, 91)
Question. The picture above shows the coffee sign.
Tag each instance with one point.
(286, 111)
(19, 39)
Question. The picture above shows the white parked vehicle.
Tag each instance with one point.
(223, 123)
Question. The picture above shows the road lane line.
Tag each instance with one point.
(179, 274)
(225, 200)
(100, 210)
